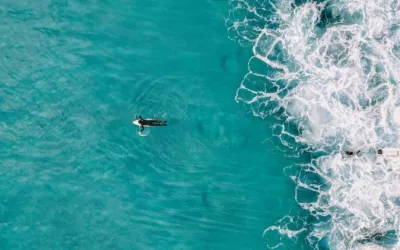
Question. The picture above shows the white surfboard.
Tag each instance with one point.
(136, 122)
(390, 152)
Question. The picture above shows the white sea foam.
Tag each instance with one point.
(339, 82)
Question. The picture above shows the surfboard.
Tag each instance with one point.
(390, 152)
(136, 122)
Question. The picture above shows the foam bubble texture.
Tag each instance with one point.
(332, 67)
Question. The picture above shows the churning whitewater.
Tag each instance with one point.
(332, 68)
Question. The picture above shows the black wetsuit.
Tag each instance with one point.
(150, 123)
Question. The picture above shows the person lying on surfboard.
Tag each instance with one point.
(150, 123)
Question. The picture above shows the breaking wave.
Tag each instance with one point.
(331, 68)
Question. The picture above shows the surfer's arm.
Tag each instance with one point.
(142, 128)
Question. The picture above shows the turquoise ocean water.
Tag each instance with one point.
(74, 172)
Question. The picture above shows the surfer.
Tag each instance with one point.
(149, 123)
(349, 153)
